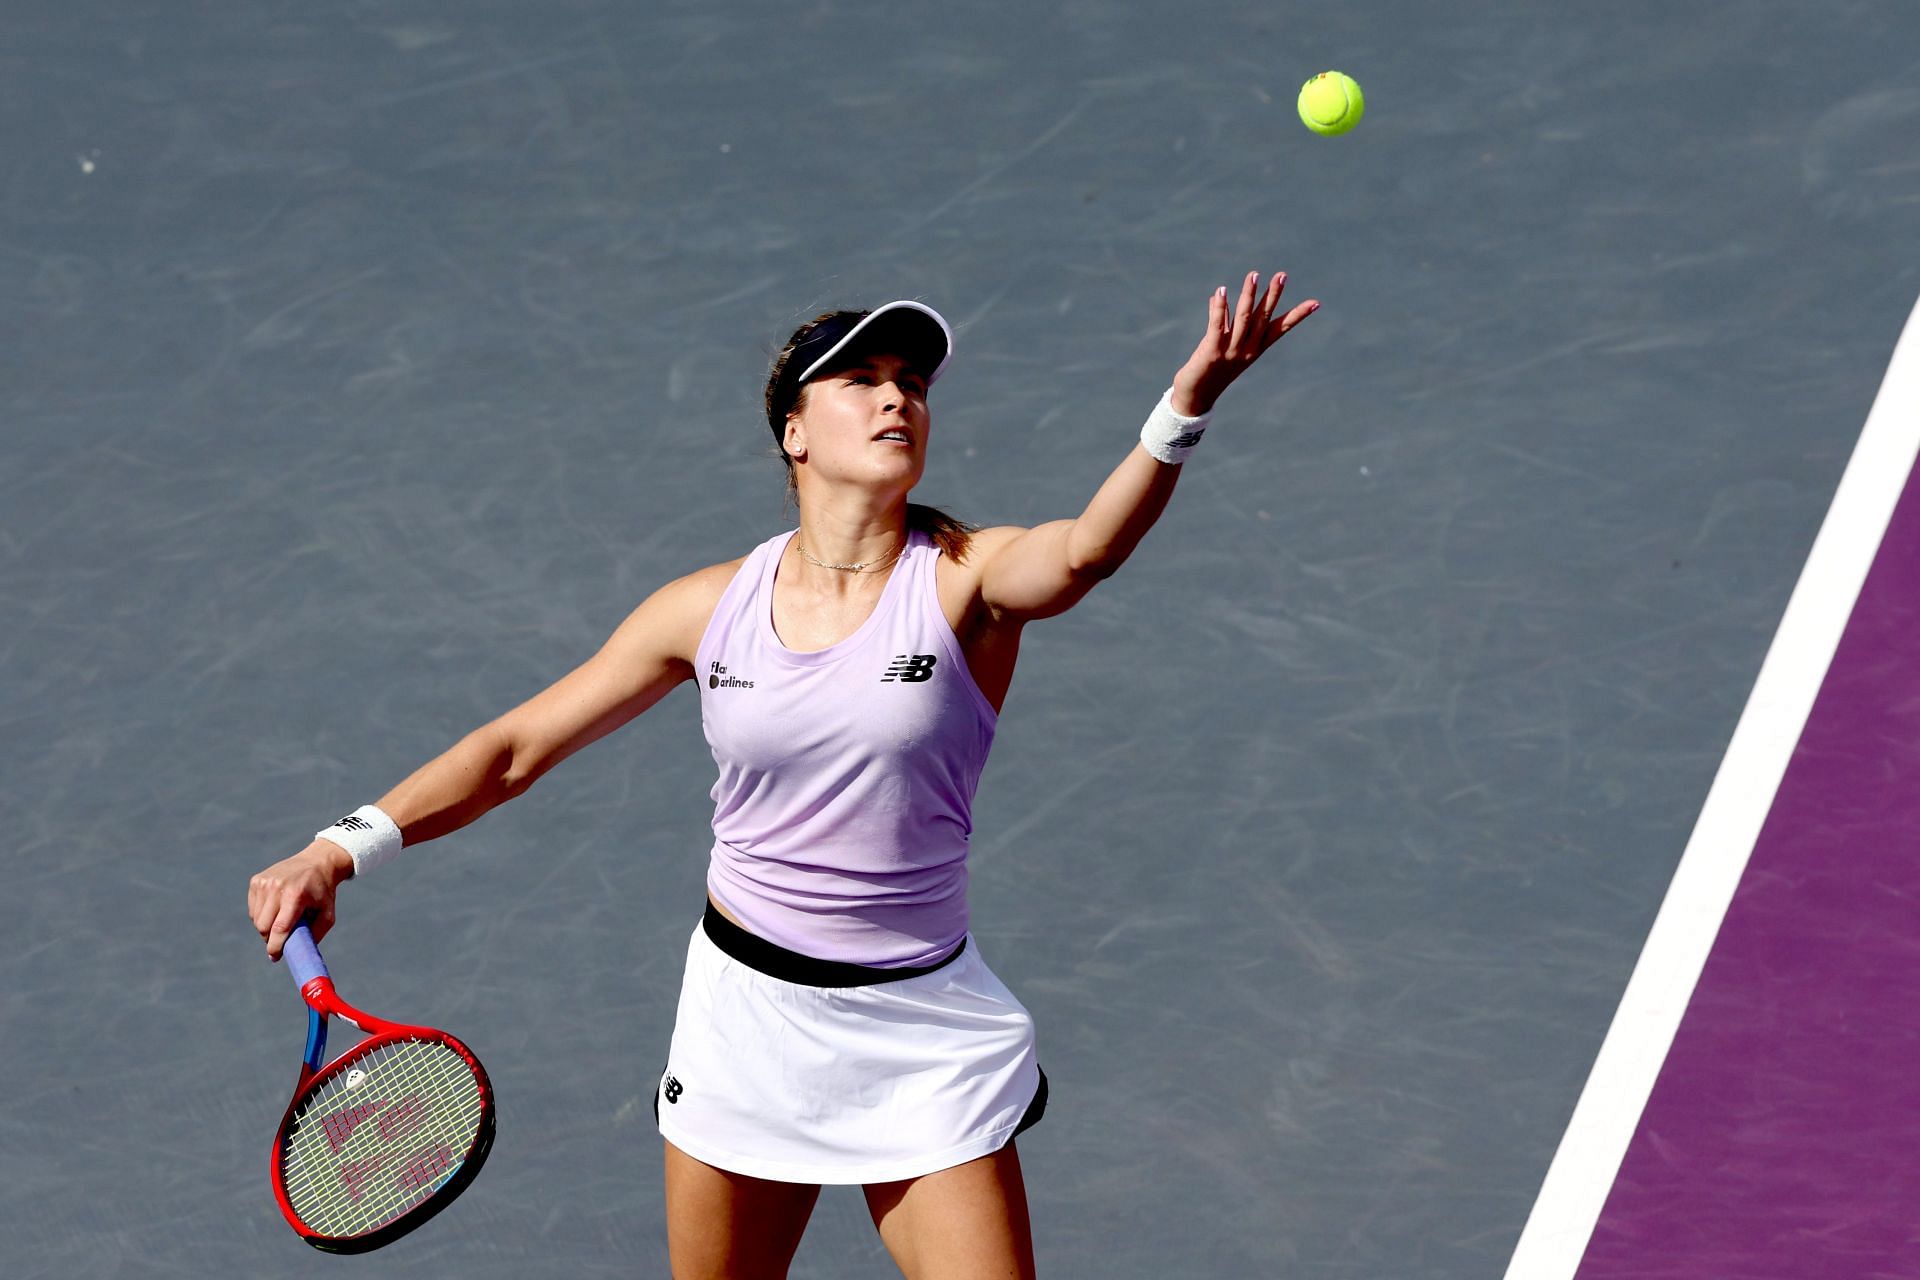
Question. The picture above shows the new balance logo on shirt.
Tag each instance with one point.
(909, 668)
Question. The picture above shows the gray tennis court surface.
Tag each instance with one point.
(365, 364)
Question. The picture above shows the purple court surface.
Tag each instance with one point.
(1752, 1112)
(1390, 854)
(1782, 1135)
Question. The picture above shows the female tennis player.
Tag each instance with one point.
(837, 1023)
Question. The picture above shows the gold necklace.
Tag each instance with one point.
(844, 568)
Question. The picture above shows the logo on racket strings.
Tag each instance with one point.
(355, 1173)
(340, 1125)
(399, 1120)
(424, 1168)
(404, 1117)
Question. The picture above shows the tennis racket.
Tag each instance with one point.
(383, 1137)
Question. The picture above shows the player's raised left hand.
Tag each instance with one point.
(1237, 335)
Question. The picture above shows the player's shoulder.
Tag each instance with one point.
(670, 622)
(697, 592)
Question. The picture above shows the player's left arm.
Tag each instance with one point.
(1046, 570)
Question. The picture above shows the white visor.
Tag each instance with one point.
(917, 324)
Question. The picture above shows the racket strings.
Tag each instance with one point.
(381, 1137)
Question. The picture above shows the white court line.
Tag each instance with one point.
(1583, 1169)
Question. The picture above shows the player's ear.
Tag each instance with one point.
(795, 441)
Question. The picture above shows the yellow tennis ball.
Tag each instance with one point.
(1331, 103)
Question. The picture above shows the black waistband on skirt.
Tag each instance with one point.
(758, 954)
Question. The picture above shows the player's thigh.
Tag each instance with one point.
(727, 1224)
(965, 1223)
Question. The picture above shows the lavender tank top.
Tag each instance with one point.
(845, 798)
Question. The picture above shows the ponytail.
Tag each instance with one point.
(952, 536)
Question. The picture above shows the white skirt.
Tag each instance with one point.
(845, 1084)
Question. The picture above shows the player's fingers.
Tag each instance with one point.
(1259, 323)
(1293, 318)
(1275, 287)
(284, 921)
(263, 902)
(322, 922)
(1242, 313)
(1211, 340)
(1249, 297)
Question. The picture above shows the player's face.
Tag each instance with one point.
(868, 419)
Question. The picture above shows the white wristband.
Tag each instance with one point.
(368, 834)
(1169, 436)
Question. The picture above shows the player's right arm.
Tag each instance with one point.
(649, 654)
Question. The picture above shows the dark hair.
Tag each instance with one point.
(783, 401)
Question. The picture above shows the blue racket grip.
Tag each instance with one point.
(303, 956)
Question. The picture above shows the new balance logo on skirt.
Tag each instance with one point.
(909, 669)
